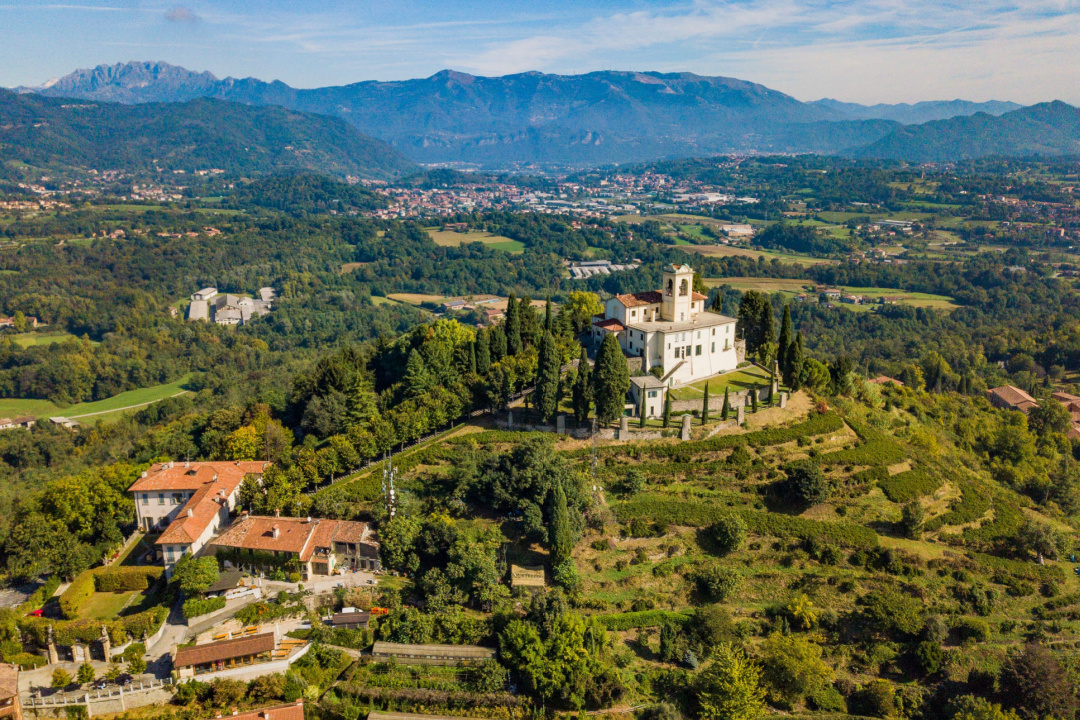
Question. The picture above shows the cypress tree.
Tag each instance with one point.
(582, 391)
(727, 404)
(667, 408)
(641, 414)
(793, 373)
(483, 351)
(513, 326)
(498, 343)
(769, 397)
(562, 535)
(547, 377)
(472, 357)
(705, 407)
(753, 398)
(530, 330)
(549, 325)
(783, 348)
(611, 380)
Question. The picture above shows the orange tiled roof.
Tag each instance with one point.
(1014, 396)
(224, 650)
(648, 297)
(203, 506)
(611, 324)
(192, 476)
(295, 535)
(698, 296)
(295, 711)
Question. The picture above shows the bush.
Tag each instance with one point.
(972, 630)
(807, 484)
(827, 699)
(729, 532)
(194, 607)
(929, 656)
(717, 582)
(892, 614)
(876, 699)
(295, 577)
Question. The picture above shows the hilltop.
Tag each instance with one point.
(197, 134)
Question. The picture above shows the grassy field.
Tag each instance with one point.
(792, 287)
(739, 380)
(449, 238)
(107, 605)
(31, 339)
(415, 298)
(96, 411)
(785, 285)
(729, 251)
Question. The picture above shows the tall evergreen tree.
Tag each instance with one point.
(641, 412)
(562, 534)
(362, 407)
(530, 326)
(705, 406)
(793, 373)
(753, 398)
(547, 377)
(727, 404)
(582, 391)
(483, 351)
(549, 325)
(512, 326)
(472, 357)
(417, 379)
(667, 408)
(783, 347)
(498, 343)
(756, 320)
(611, 380)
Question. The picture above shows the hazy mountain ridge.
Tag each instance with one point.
(199, 134)
(916, 113)
(604, 117)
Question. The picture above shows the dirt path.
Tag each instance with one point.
(129, 407)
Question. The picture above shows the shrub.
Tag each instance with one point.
(717, 582)
(972, 630)
(807, 484)
(295, 577)
(827, 699)
(194, 607)
(729, 532)
(792, 668)
(876, 699)
(893, 614)
(929, 656)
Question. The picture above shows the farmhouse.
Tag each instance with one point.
(350, 619)
(189, 502)
(211, 657)
(315, 546)
(670, 328)
(292, 711)
(23, 421)
(1008, 397)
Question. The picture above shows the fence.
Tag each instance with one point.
(98, 696)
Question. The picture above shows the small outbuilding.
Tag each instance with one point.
(355, 620)
(431, 654)
(211, 657)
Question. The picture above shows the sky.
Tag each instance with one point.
(870, 51)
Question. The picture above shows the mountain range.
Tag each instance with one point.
(600, 117)
(199, 134)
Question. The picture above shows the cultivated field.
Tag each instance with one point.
(450, 238)
(769, 255)
(91, 412)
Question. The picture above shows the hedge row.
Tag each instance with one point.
(194, 607)
(699, 514)
(643, 618)
(66, 632)
(879, 451)
(490, 437)
(683, 452)
(123, 579)
(972, 505)
(78, 592)
(906, 486)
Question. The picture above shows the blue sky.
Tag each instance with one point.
(861, 51)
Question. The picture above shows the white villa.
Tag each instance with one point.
(670, 328)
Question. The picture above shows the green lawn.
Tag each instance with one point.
(514, 247)
(48, 338)
(98, 410)
(737, 380)
(107, 605)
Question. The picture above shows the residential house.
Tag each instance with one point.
(23, 421)
(318, 546)
(10, 705)
(222, 655)
(8, 323)
(188, 502)
(1008, 397)
(670, 328)
(1072, 404)
(651, 390)
(292, 711)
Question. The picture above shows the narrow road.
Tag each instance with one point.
(129, 407)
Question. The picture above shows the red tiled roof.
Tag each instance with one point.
(191, 476)
(649, 297)
(1014, 397)
(204, 505)
(295, 535)
(9, 681)
(698, 296)
(295, 711)
(224, 650)
(611, 324)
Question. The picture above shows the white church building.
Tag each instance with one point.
(671, 328)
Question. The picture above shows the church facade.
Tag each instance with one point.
(671, 329)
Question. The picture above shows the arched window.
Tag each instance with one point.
(670, 286)
(684, 287)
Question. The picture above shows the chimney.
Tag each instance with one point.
(277, 512)
(309, 518)
(277, 532)
(190, 513)
(187, 463)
